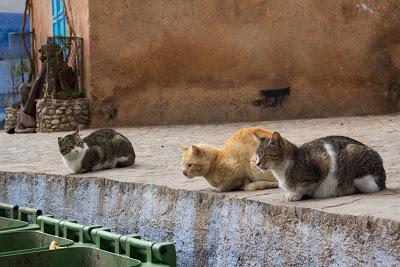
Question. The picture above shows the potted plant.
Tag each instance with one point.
(64, 106)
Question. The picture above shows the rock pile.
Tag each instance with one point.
(11, 118)
(55, 115)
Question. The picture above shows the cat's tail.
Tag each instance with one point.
(130, 160)
(130, 152)
(381, 181)
(132, 156)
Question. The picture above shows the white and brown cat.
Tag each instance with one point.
(102, 149)
(331, 166)
(231, 168)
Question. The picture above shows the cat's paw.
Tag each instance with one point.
(224, 189)
(250, 187)
(292, 196)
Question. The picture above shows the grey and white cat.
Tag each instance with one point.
(102, 149)
(327, 167)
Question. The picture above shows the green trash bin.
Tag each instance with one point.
(72, 256)
(25, 244)
(12, 225)
(149, 253)
(8, 224)
(28, 241)
(14, 218)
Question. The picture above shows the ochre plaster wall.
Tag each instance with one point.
(171, 62)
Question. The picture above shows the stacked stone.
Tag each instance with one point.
(55, 115)
(11, 118)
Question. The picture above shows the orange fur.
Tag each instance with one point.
(233, 166)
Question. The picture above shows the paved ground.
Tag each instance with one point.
(158, 158)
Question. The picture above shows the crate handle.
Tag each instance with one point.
(139, 249)
(165, 252)
(106, 240)
(49, 225)
(12, 210)
(23, 214)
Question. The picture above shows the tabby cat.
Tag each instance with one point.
(327, 167)
(232, 167)
(102, 149)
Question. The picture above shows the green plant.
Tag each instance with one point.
(19, 69)
(46, 92)
(69, 94)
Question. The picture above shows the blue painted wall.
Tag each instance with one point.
(9, 22)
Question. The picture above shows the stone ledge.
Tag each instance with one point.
(211, 229)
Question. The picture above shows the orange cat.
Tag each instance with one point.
(232, 167)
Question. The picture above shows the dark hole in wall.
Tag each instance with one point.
(271, 97)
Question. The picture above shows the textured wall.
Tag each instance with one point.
(163, 62)
(210, 229)
(166, 62)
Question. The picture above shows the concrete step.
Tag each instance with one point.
(256, 228)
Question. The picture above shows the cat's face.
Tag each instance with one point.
(71, 146)
(194, 162)
(270, 152)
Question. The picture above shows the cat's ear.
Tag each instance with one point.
(276, 136)
(196, 150)
(258, 137)
(184, 148)
(76, 133)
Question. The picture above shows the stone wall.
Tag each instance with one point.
(55, 115)
(211, 229)
(11, 118)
